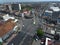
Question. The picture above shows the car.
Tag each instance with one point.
(36, 38)
(56, 36)
(28, 17)
(43, 41)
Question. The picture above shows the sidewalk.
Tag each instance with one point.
(36, 42)
(8, 40)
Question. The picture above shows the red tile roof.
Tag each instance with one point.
(6, 27)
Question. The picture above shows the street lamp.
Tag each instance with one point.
(55, 30)
(34, 21)
(21, 18)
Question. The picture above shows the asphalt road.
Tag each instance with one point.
(28, 40)
(17, 39)
(27, 32)
(25, 36)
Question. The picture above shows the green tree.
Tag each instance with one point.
(27, 7)
(1, 43)
(40, 32)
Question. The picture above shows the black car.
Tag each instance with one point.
(43, 41)
(36, 37)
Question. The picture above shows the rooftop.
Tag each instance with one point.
(6, 27)
(55, 8)
(48, 11)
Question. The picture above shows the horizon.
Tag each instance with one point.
(20, 1)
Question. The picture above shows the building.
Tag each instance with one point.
(52, 14)
(48, 13)
(2, 7)
(56, 12)
(15, 7)
(51, 18)
(6, 29)
(58, 20)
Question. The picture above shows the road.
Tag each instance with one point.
(24, 37)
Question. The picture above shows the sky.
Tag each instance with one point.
(5, 1)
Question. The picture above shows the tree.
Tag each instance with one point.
(1, 43)
(26, 7)
(40, 33)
